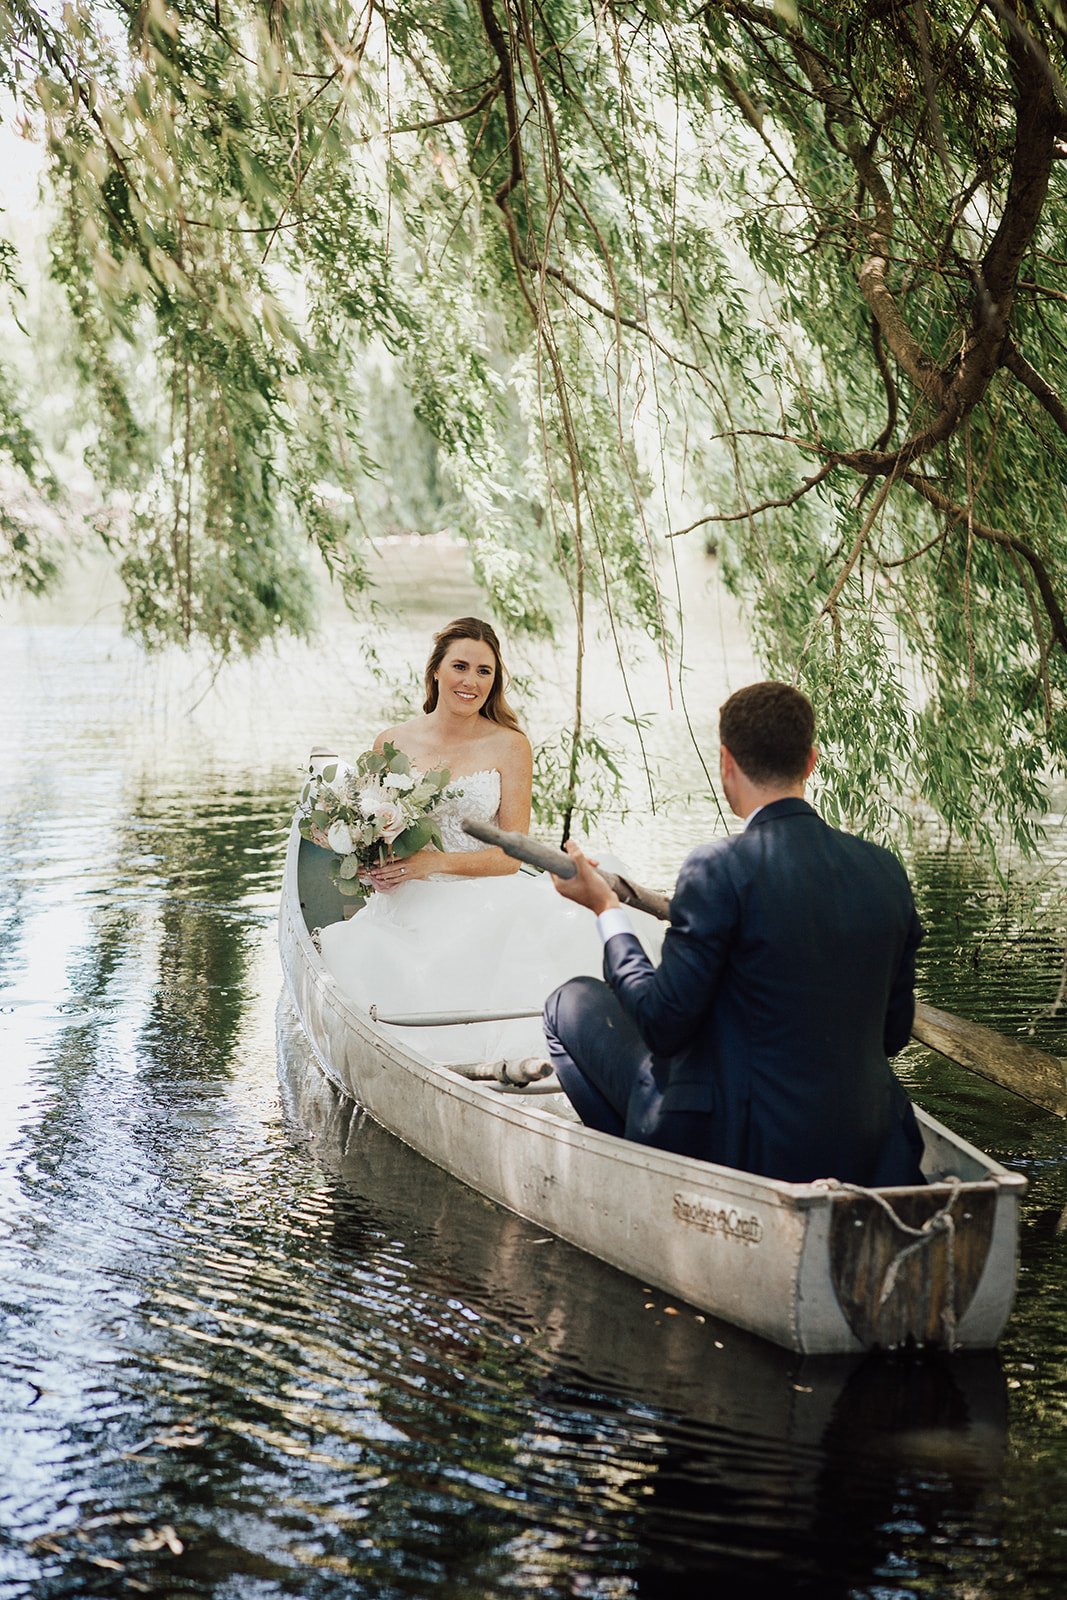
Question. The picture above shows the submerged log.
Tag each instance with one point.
(1026, 1071)
(1032, 1074)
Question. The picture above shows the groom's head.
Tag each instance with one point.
(768, 729)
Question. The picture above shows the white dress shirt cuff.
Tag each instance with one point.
(615, 920)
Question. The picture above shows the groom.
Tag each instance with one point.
(786, 981)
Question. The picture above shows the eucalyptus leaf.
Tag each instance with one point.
(395, 760)
(417, 837)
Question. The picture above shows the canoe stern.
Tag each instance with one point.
(921, 1268)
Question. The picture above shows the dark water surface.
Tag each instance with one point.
(252, 1347)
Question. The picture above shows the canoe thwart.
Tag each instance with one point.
(448, 1019)
(320, 756)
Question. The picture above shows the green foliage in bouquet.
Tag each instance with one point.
(379, 808)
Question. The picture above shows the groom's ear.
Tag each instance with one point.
(813, 756)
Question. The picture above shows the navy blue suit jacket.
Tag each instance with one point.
(785, 983)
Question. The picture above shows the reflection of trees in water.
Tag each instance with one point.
(212, 858)
(155, 999)
(169, 942)
(204, 859)
(621, 1443)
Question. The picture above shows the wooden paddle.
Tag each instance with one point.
(1030, 1073)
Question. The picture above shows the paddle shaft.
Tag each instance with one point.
(522, 848)
(1032, 1074)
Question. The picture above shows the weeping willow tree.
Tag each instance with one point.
(789, 275)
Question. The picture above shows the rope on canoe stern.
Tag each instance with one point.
(940, 1222)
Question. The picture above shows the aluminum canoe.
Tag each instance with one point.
(815, 1267)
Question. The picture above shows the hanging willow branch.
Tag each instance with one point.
(616, 271)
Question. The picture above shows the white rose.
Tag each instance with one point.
(339, 837)
(400, 781)
(369, 800)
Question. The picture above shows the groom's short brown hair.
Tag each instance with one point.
(769, 729)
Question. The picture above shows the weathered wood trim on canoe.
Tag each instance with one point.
(909, 1269)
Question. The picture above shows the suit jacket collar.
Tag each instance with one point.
(791, 806)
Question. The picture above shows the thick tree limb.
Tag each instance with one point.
(888, 384)
(953, 393)
(874, 285)
(1043, 392)
(499, 45)
(1011, 541)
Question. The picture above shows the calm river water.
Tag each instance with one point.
(252, 1347)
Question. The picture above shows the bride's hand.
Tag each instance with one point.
(390, 874)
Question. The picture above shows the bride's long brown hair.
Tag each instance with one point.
(496, 707)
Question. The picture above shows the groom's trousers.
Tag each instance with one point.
(609, 1074)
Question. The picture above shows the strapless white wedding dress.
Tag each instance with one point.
(468, 945)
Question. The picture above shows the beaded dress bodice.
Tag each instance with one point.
(480, 798)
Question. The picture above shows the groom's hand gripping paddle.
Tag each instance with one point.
(522, 848)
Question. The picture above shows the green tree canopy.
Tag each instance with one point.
(788, 273)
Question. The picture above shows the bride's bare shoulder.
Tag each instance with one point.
(404, 735)
(512, 748)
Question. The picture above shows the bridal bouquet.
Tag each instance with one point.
(380, 807)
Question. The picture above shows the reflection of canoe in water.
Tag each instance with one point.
(813, 1267)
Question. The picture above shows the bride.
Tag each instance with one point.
(460, 929)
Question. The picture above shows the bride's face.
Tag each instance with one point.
(465, 677)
